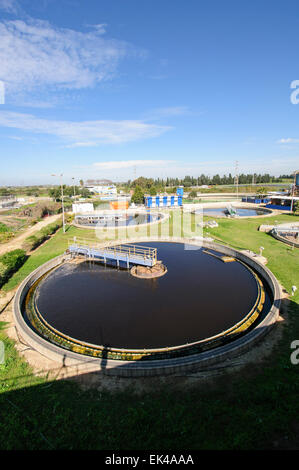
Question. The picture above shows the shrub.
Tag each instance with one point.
(138, 195)
(41, 209)
(152, 191)
(192, 194)
(46, 231)
(70, 218)
(9, 263)
(3, 228)
(50, 229)
(4, 237)
(2, 271)
(32, 242)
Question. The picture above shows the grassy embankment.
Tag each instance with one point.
(253, 410)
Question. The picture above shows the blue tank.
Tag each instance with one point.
(149, 201)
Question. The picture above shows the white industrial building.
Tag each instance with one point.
(82, 208)
(101, 187)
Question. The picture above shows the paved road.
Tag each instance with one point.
(17, 242)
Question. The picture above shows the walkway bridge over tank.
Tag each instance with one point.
(121, 255)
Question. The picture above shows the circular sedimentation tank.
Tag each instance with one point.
(289, 237)
(240, 212)
(212, 303)
(117, 219)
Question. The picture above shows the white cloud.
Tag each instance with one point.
(101, 28)
(11, 6)
(81, 144)
(288, 141)
(122, 170)
(170, 111)
(15, 137)
(131, 163)
(85, 132)
(34, 54)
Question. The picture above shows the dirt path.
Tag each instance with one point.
(17, 242)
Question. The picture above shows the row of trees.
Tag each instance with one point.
(68, 191)
(147, 183)
(187, 181)
(38, 191)
(152, 186)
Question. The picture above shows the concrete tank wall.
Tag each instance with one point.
(156, 367)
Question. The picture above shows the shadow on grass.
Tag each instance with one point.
(67, 227)
(57, 414)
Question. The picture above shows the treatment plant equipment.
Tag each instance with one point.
(231, 211)
(287, 234)
(210, 303)
(223, 210)
(111, 219)
(123, 255)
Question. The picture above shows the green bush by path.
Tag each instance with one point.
(3, 228)
(5, 233)
(6, 236)
(53, 247)
(9, 263)
(32, 242)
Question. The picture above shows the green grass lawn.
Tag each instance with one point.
(283, 261)
(257, 409)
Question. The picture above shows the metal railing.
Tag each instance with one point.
(129, 251)
(287, 230)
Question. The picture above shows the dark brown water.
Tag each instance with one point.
(199, 297)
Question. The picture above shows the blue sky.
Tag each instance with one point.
(114, 88)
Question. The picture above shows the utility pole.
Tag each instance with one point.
(237, 178)
(62, 204)
(293, 192)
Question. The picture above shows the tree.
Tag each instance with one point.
(152, 191)
(262, 191)
(142, 182)
(296, 207)
(138, 196)
(55, 193)
(84, 192)
(4, 192)
(193, 194)
(216, 179)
